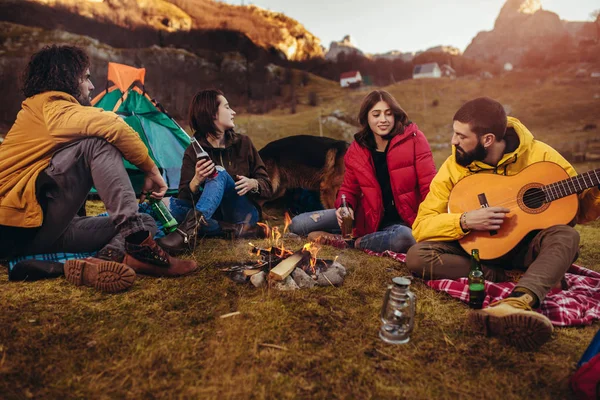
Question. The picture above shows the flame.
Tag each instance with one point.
(276, 236)
(313, 249)
(266, 228)
(282, 250)
(287, 222)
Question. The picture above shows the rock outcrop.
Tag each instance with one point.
(345, 46)
(523, 26)
(189, 24)
(172, 75)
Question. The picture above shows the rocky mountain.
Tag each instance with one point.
(173, 75)
(348, 47)
(522, 30)
(190, 24)
(345, 46)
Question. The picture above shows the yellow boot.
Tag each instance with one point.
(513, 320)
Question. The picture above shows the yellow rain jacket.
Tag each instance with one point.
(46, 123)
(435, 223)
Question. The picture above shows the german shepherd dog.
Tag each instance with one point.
(307, 162)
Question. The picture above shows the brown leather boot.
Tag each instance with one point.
(184, 237)
(245, 231)
(241, 231)
(150, 259)
(107, 276)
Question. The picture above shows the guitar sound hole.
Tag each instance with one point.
(534, 198)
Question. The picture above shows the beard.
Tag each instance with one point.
(85, 100)
(463, 158)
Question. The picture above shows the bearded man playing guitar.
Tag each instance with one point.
(515, 199)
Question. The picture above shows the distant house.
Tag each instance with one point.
(431, 70)
(350, 79)
(448, 71)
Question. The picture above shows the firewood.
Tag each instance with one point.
(250, 272)
(284, 268)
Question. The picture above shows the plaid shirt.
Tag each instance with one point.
(578, 305)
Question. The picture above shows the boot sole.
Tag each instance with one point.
(526, 331)
(107, 276)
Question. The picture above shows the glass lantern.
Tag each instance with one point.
(398, 312)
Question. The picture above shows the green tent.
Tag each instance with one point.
(166, 140)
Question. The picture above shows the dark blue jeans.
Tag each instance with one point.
(218, 193)
(397, 238)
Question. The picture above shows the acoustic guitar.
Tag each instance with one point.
(540, 196)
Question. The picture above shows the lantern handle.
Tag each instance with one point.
(386, 298)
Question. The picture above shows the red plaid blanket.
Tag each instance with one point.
(578, 305)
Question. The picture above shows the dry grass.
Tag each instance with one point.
(164, 337)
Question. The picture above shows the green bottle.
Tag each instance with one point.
(162, 213)
(476, 282)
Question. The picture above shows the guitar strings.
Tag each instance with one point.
(532, 198)
(541, 196)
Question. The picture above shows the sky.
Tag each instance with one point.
(406, 25)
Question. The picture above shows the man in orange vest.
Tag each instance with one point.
(58, 147)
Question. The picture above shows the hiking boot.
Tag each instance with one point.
(149, 258)
(106, 276)
(111, 254)
(184, 237)
(329, 239)
(513, 320)
(33, 270)
(241, 231)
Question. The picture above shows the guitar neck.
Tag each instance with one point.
(575, 184)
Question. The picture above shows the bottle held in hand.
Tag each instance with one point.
(347, 220)
(201, 154)
(476, 282)
(163, 214)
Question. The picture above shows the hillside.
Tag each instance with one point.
(555, 105)
(191, 24)
(173, 75)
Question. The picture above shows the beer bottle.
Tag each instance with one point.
(201, 154)
(162, 213)
(476, 282)
(347, 220)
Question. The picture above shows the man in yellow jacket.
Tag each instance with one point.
(486, 141)
(56, 150)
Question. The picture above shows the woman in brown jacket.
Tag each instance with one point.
(210, 202)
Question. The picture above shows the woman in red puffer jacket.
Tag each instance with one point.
(389, 167)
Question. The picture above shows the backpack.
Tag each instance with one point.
(585, 382)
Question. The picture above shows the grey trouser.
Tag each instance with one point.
(545, 256)
(72, 172)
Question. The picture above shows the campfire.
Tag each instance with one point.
(285, 269)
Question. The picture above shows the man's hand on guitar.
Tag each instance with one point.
(484, 219)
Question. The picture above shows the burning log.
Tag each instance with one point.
(285, 267)
(271, 255)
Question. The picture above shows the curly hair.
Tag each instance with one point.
(365, 137)
(57, 68)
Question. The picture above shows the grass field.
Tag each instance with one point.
(165, 339)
